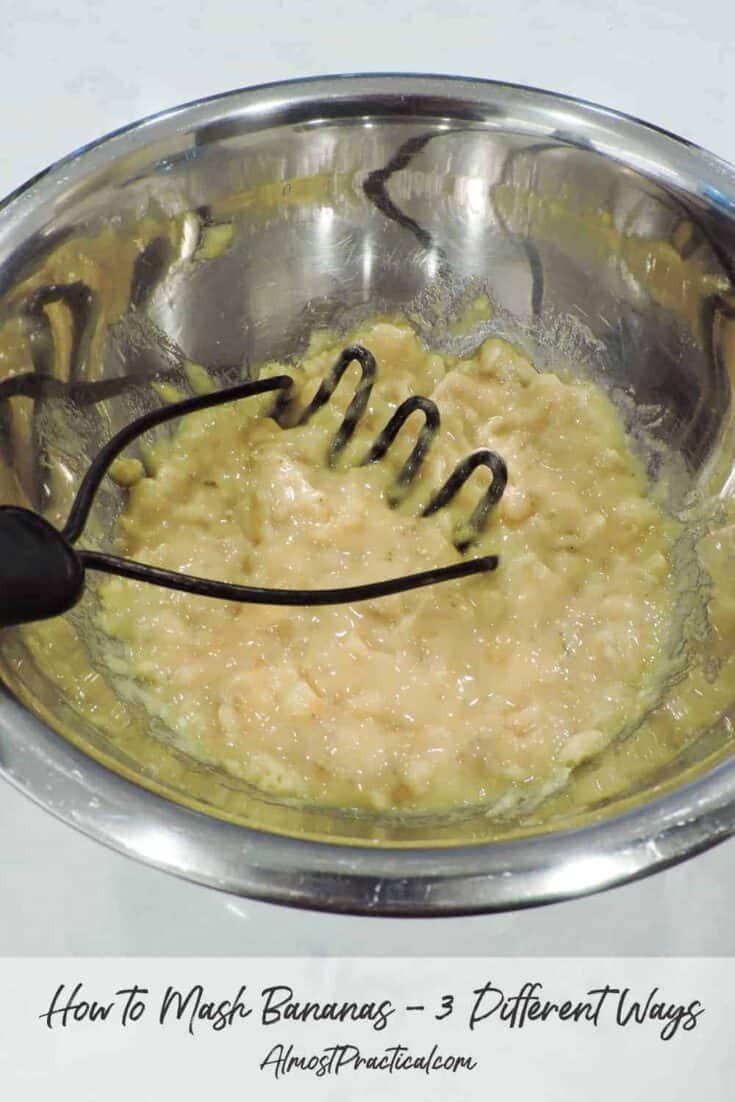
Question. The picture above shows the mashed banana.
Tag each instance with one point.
(490, 688)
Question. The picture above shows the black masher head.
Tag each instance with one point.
(42, 573)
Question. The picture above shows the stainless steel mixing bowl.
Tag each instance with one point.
(223, 232)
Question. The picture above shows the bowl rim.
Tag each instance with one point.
(334, 876)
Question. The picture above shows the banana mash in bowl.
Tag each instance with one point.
(565, 298)
(478, 690)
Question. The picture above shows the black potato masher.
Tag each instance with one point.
(42, 574)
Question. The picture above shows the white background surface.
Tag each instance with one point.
(70, 72)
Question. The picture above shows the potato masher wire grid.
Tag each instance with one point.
(42, 575)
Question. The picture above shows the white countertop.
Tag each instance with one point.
(70, 73)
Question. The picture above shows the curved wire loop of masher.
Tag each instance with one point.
(113, 564)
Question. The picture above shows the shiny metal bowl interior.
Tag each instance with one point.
(348, 196)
